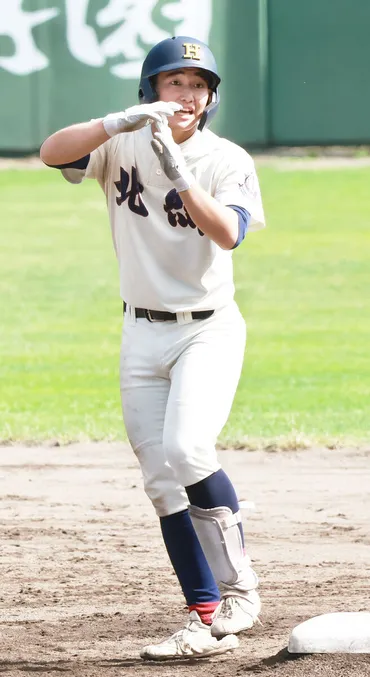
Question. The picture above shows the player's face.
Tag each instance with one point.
(188, 88)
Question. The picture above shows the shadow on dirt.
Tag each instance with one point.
(73, 667)
(281, 664)
(271, 662)
(284, 664)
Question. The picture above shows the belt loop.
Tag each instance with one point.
(130, 316)
(184, 318)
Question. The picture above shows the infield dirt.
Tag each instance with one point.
(85, 580)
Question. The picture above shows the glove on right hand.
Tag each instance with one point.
(138, 116)
(171, 158)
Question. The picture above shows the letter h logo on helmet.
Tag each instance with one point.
(192, 51)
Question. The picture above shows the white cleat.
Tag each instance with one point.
(235, 614)
(193, 641)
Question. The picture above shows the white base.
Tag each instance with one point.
(342, 632)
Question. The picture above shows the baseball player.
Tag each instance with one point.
(180, 199)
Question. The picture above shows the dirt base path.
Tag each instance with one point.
(85, 580)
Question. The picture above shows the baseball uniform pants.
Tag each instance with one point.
(178, 381)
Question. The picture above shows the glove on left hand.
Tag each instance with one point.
(171, 158)
(136, 117)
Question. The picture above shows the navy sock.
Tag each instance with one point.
(188, 560)
(216, 490)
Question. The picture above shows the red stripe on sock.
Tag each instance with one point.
(205, 610)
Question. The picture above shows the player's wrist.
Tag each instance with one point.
(114, 123)
(184, 181)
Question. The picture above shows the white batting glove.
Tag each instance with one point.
(171, 158)
(138, 116)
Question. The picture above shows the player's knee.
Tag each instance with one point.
(191, 461)
(166, 497)
(160, 484)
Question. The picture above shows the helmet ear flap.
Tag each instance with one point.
(209, 111)
(147, 92)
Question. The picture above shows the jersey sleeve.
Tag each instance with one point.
(237, 184)
(96, 167)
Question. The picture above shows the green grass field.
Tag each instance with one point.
(302, 285)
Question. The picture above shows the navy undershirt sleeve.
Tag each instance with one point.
(244, 221)
(76, 164)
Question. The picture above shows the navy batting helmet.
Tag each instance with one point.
(180, 52)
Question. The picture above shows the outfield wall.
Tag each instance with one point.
(293, 72)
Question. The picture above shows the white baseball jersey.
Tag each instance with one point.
(165, 261)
